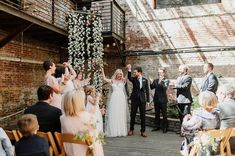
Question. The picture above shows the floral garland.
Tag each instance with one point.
(85, 45)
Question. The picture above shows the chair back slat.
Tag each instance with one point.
(67, 138)
(228, 146)
(12, 135)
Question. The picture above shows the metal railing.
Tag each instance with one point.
(56, 12)
(113, 17)
(51, 11)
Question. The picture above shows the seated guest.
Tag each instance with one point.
(205, 118)
(30, 144)
(74, 108)
(226, 109)
(48, 116)
(6, 149)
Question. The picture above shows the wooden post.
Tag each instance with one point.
(154, 4)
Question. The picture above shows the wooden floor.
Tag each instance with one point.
(156, 144)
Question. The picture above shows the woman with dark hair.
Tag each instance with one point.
(78, 82)
(51, 81)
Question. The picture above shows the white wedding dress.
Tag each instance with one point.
(117, 111)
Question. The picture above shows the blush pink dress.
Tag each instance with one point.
(81, 123)
(57, 98)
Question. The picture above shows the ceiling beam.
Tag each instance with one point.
(11, 36)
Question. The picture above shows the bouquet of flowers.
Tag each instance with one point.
(89, 139)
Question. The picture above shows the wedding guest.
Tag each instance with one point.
(117, 106)
(78, 82)
(226, 109)
(6, 148)
(30, 144)
(205, 118)
(48, 116)
(92, 105)
(51, 81)
(65, 71)
(160, 100)
(183, 93)
(74, 107)
(210, 81)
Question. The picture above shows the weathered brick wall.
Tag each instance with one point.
(22, 72)
(200, 25)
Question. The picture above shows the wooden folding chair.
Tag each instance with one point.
(67, 138)
(12, 135)
(220, 134)
(228, 146)
(48, 136)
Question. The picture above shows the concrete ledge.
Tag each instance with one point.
(173, 124)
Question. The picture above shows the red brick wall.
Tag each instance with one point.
(21, 72)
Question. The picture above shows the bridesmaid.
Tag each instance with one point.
(78, 82)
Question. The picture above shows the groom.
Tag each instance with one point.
(139, 96)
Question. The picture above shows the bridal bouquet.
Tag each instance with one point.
(89, 140)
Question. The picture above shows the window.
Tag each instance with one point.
(178, 3)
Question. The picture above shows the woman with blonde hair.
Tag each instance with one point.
(205, 118)
(76, 120)
(117, 106)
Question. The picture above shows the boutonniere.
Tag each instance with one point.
(143, 80)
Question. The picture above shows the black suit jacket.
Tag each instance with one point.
(137, 93)
(48, 116)
(32, 146)
(160, 95)
(211, 83)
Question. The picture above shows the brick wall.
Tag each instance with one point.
(199, 25)
(21, 72)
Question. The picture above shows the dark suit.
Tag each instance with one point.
(184, 97)
(48, 116)
(210, 83)
(32, 146)
(160, 101)
(139, 97)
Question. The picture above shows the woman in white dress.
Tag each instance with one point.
(92, 105)
(117, 107)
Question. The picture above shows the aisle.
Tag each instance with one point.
(156, 144)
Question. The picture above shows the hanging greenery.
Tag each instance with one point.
(85, 45)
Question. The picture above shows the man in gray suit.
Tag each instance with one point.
(184, 97)
(226, 109)
(210, 81)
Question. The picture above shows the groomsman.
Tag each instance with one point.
(139, 98)
(160, 100)
(210, 81)
(184, 97)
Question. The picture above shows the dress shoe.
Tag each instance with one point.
(143, 134)
(164, 130)
(130, 133)
(155, 129)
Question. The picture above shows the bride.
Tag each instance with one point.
(117, 108)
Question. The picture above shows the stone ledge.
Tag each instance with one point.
(173, 124)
